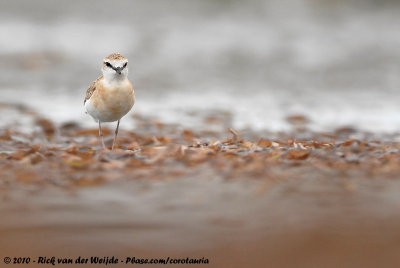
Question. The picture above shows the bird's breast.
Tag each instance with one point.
(113, 101)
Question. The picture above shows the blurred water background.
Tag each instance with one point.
(335, 61)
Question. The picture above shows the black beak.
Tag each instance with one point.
(118, 70)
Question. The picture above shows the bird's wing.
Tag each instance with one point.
(91, 89)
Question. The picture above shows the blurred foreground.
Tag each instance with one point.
(327, 200)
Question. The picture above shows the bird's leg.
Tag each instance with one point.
(101, 135)
(115, 136)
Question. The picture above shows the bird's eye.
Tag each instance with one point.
(125, 64)
(108, 64)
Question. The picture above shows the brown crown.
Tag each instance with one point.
(115, 56)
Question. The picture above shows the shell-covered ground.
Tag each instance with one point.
(73, 155)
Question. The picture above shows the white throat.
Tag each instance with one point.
(114, 78)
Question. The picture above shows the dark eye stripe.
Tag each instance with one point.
(108, 64)
(125, 64)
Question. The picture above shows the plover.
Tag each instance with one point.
(110, 96)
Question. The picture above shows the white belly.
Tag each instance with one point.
(105, 115)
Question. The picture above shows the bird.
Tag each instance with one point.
(111, 96)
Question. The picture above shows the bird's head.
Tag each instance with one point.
(115, 67)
